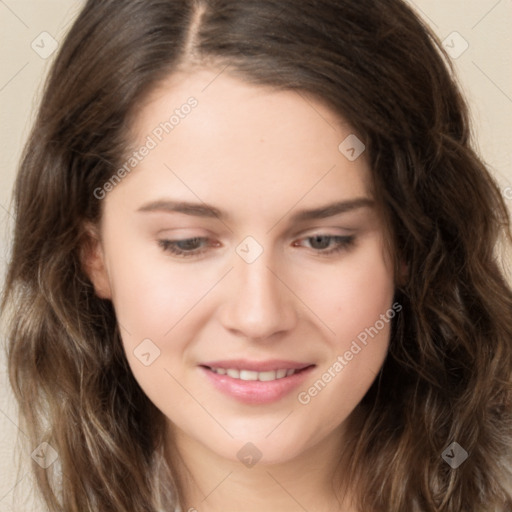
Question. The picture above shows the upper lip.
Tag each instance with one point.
(257, 366)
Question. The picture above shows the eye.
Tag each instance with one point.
(321, 244)
(327, 244)
(187, 247)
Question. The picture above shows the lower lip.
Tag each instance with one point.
(255, 391)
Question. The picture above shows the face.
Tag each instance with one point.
(246, 264)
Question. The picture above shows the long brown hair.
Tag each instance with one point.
(447, 377)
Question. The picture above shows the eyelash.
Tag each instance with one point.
(343, 243)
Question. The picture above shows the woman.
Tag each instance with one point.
(254, 267)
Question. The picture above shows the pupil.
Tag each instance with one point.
(320, 242)
(188, 244)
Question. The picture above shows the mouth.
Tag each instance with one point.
(252, 375)
(256, 382)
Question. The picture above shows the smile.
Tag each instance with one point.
(252, 375)
(256, 383)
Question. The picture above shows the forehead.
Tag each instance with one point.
(242, 144)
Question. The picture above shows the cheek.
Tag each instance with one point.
(350, 296)
(357, 306)
(150, 295)
(160, 307)
(156, 307)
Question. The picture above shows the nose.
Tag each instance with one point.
(258, 305)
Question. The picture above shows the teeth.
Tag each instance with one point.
(251, 375)
(270, 375)
(248, 375)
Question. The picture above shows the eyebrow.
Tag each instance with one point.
(208, 211)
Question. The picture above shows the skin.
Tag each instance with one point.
(260, 156)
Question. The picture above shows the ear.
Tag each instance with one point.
(404, 272)
(93, 261)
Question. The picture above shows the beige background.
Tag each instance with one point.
(485, 71)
